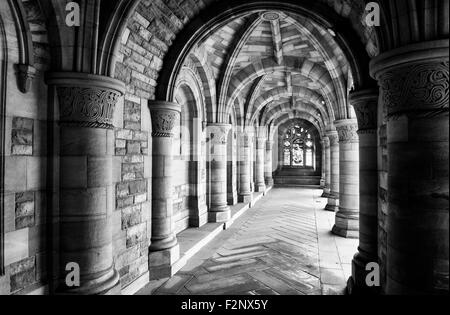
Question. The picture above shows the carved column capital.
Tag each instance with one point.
(365, 103)
(333, 138)
(414, 80)
(347, 130)
(86, 100)
(164, 115)
(326, 142)
(218, 133)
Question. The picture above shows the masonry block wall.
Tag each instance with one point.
(26, 198)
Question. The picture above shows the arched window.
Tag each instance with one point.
(298, 147)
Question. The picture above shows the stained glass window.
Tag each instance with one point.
(298, 147)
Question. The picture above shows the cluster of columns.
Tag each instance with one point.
(413, 98)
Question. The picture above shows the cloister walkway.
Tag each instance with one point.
(283, 245)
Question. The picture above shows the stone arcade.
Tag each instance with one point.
(130, 142)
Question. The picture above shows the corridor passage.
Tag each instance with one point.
(281, 246)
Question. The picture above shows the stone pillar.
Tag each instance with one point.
(365, 103)
(245, 191)
(327, 167)
(217, 139)
(322, 163)
(87, 104)
(164, 248)
(414, 83)
(333, 198)
(347, 218)
(260, 159)
(268, 168)
(199, 211)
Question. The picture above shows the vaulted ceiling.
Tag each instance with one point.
(272, 62)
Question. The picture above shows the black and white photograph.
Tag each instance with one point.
(215, 154)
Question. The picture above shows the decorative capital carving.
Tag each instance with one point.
(347, 131)
(218, 133)
(333, 138)
(86, 100)
(326, 142)
(365, 103)
(164, 115)
(414, 80)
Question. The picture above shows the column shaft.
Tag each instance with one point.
(327, 167)
(219, 210)
(245, 191)
(268, 168)
(365, 103)
(260, 159)
(347, 218)
(333, 199)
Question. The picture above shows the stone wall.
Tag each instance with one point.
(132, 175)
(26, 203)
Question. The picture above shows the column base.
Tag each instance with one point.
(161, 263)
(333, 203)
(245, 198)
(356, 284)
(347, 225)
(108, 284)
(219, 217)
(261, 187)
(232, 199)
(269, 182)
(200, 218)
(326, 192)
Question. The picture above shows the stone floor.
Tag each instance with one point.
(283, 245)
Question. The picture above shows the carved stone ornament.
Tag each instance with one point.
(417, 88)
(365, 104)
(414, 79)
(87, 107)
(347, 131)
(333, 138)
(165, 116)
(86, 100)
(218, 133)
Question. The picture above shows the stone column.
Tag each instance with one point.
(365, 103)
(414, 83)
(322, 163)
(347, 218)
(245, 191)
(164, 248)
(327, 167)
(217, 139)
(268, 168)
(260, 159)
(199, 211)
(333, 198)
(86, 104)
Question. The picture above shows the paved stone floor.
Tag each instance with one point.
(281, 246)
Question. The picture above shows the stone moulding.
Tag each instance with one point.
(86, 100)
